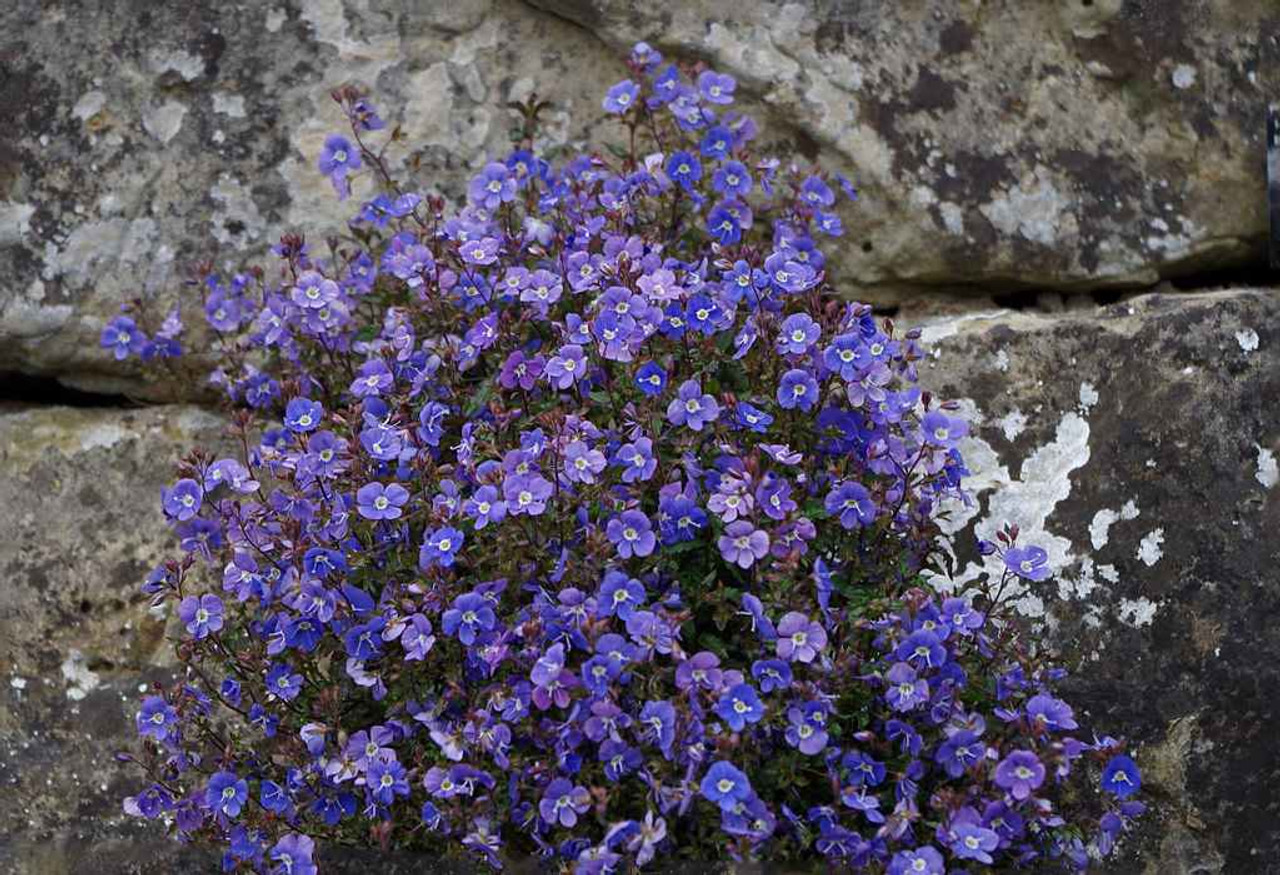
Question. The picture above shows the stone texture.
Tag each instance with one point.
(1137, 444)
(81, 527)
(1066, 145)
(142, 137)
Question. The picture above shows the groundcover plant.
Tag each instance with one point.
(588, 521)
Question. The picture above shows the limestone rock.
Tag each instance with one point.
(1137, 444)
(142, 137)
(1063, 145)
(81, 524)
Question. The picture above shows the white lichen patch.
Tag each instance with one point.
(185, 64)
(1137, 612)
(1248, 340)
(1088, 396)
(1012, 424)
(1102, 521)
(15, 221)
(1268, 473)
(1149, 548)
(80, 680)
(238, 206)
(164, 121)
(1184, 76)
(1037, 212)
(231, 105)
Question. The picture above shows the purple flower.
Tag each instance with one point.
(620, 595)
(807, 732)
(581, 463)
(492, 187)
(799, 639)
(960, 751)
(1020, 773)
(773, 496)
(658, 724)
(470, 615)
(904, 690)
(918, 861)
(771, 674)
(852, 504)
(480, 252)
(567, 366)
(739, 706)
(621, 97)
(283, 682)
(941, 430)
(973, 842)
(485, 507)
(386, 779)
(563, 802)
(183, 501)
(637, 460)
(922, 649)
(1031, 563)
(817, 193)
(725, 786)
(632, 533)
(752, 418)
(226, 793)
(526, 493)
(715, 87)
(1121, 777)
(201, 614)
(313, 291)
(440, 547)
(121, 335)
(799, 332)
(651, 379)
(743, 544)
(293, 854)
(691, 407)
(377, 502)
(1053, 714)
(337, 159)
(959, 616)
(702, 670)
(684, 169)
(798, 389)
(156, 718)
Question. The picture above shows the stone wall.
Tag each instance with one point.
(1076, 152)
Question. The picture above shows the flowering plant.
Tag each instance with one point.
(587, 522)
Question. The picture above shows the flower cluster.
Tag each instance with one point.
(586, 521)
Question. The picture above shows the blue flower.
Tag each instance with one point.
(302, 415)
(684, 169)
(156, 718)
(122, 337)
(440, 547)
(716, 87)
(621, 97)
(798, 389)
(1030, 563)
(283, 682)
(739, 706)
(226, 793)
(725, 785)
(1121, 777)
(651, 378)
(470, 615)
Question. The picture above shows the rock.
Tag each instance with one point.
(1137, 444)
(79, 509)
(142, 138)
(1120, 145)
(1062, 145)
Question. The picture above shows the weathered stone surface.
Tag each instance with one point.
(141, 137)
(80, 526)
(1067, 145)
(1138, 445)
(1070, 144)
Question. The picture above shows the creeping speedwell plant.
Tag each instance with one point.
(588, 521)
